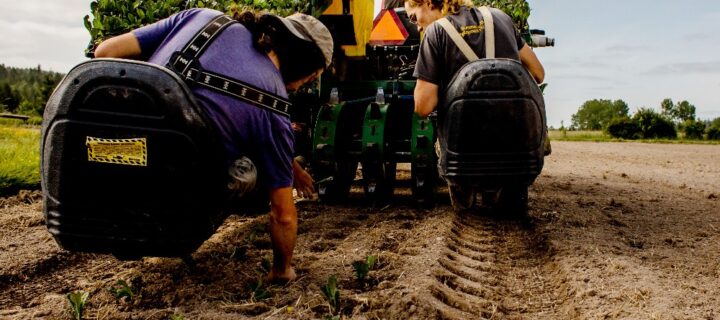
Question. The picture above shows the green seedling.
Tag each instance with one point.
(265, 265)
(259, 292)
(362, 268)
(238, 253)
(77, 303)
(177, 316)
(121, 290)
(250, 238)
(257, 230)
(331, 292)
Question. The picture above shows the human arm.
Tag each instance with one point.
(142, 42)
(532, 63)
(122, 46)
(302, 181)
(428, 72)
(278, 168)
(426, 97)
(283, 234)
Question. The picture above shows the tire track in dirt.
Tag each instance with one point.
(484, 270)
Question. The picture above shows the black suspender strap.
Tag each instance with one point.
(193, 49)
(186, 64)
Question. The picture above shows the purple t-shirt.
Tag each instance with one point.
(261, 135)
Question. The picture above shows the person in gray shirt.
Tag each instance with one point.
(439, 58)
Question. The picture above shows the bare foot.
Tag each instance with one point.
(275, 277)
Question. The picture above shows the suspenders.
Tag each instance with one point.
(186, 64)
(463, 45)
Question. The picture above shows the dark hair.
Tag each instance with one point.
(298, 58)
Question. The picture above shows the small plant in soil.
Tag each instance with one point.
(332, 293)
(177, 316)
(257, 289)
(257, 231)
(238, 253)
(362, 268)
(77, 303)
(265, 265)
(121, 290)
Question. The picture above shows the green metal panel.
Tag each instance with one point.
(424, 160)
(324, 135)
(422, 139)
(374, 129)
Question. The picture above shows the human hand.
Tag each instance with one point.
(302, 181)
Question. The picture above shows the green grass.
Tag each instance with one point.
(578, 135)
(599, 136)
(19, 158)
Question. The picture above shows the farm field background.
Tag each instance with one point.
(20, 154)
(615, 230)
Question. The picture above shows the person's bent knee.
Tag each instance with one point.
(286, 218)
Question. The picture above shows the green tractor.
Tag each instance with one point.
(364, 117)
(131, 164)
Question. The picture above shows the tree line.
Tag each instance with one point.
(26, 90)
(114, 17)
(646, 123)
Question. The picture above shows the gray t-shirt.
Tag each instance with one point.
(440, 58)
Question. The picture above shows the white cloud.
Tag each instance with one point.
(629, 49)
(45, 32)
(686, 68)
(49, 12)
(585, 77)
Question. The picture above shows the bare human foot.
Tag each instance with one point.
(283, 277)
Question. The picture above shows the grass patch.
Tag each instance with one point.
(32, 122)
(20, 154)
(579, 136)
(599, 136)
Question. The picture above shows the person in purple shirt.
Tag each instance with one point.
(266, 51)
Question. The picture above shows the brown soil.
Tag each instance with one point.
(615, 230)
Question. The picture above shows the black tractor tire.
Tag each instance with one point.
(462, 197)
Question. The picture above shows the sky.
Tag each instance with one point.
(640, 51)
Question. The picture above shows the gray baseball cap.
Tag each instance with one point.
(311, 29)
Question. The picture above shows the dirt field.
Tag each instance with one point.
(615, 230)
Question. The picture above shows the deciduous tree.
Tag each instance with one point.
(680, 112)
(596, 114)
(114, 17)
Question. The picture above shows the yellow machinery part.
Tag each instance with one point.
(362, 12)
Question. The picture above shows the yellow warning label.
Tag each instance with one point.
(129, 152)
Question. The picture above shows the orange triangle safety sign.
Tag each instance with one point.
(388, 29)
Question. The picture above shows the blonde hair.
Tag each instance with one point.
(446, 6)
